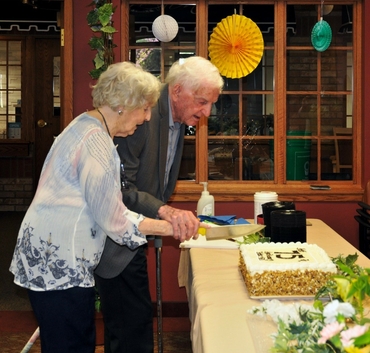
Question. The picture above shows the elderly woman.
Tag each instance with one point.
(78, 202)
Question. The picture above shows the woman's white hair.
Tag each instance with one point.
(125, 84)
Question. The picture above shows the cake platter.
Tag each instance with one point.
(283, 297)
(288, 297)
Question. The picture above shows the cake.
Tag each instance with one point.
(284, 269)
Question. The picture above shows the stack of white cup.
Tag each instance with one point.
(260, 198)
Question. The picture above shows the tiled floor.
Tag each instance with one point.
(173, 342)
(17, 327)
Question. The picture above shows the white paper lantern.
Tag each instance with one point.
(165, 28)
(326, 9)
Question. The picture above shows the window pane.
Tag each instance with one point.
(258, 117)
(149, 59)
(305, 17)
(263, 76)
(336, 71)
(15, 53)
(302, 113)
(3, 78)
(187, 168)
(221, 159)
(3, 52)
(301, 70)
(14, 77)
(2, 127)
(10, 89)
(334, 112)
(258, 159)
(343, 150)
(224, 119)
(298, 155)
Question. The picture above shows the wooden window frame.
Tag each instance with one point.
(234, 191)
(244, 190)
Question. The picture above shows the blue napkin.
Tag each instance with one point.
(242, 221)
(223, 220)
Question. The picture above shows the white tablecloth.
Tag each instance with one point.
(218, 298)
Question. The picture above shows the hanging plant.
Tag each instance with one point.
(100, 21)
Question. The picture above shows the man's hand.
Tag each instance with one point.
(185, 224)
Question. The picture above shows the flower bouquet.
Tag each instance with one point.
(335, 326)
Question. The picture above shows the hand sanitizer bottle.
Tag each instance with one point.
(206, 203)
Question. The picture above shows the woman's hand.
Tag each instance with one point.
(185, 224)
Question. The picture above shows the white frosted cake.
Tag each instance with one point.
(284, 269)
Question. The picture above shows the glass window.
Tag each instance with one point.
(278, 124)
(10, 89)
(241, 126)
(319, 89)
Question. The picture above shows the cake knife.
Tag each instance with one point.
(230, 231)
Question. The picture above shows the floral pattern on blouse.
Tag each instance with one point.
(78, 203)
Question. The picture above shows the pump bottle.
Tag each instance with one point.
(206, 203)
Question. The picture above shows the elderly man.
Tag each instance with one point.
(152, 160)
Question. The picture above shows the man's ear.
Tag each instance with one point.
(177, 90)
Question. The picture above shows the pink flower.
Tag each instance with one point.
(353, 332)
(330, 331)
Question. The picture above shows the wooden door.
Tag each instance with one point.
(46, 115)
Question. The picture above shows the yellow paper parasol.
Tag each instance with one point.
(236, 46)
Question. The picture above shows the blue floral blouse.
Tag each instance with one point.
(77, 203)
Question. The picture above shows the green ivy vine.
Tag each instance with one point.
(100, 21)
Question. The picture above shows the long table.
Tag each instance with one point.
(217, 295)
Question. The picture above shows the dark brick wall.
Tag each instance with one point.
(16, 183)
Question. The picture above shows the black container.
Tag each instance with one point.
(288, 226)
(269, 207)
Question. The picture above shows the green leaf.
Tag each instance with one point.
(362, 340)
(359, 286)
(96, 43)
(100, 20)
(98, 61)
(297, 329)
(95, 73)
(346, 269)
(92, 18)
(105, 14)
(351, 259)
(96, 28)
(108, 29)
(318, 304)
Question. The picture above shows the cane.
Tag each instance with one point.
(158, 249)
(31, 341)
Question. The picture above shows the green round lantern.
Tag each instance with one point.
(321, 35)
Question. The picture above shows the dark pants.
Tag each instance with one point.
(66, 319)
(127, 308)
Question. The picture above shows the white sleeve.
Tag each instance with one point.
(99, 176)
